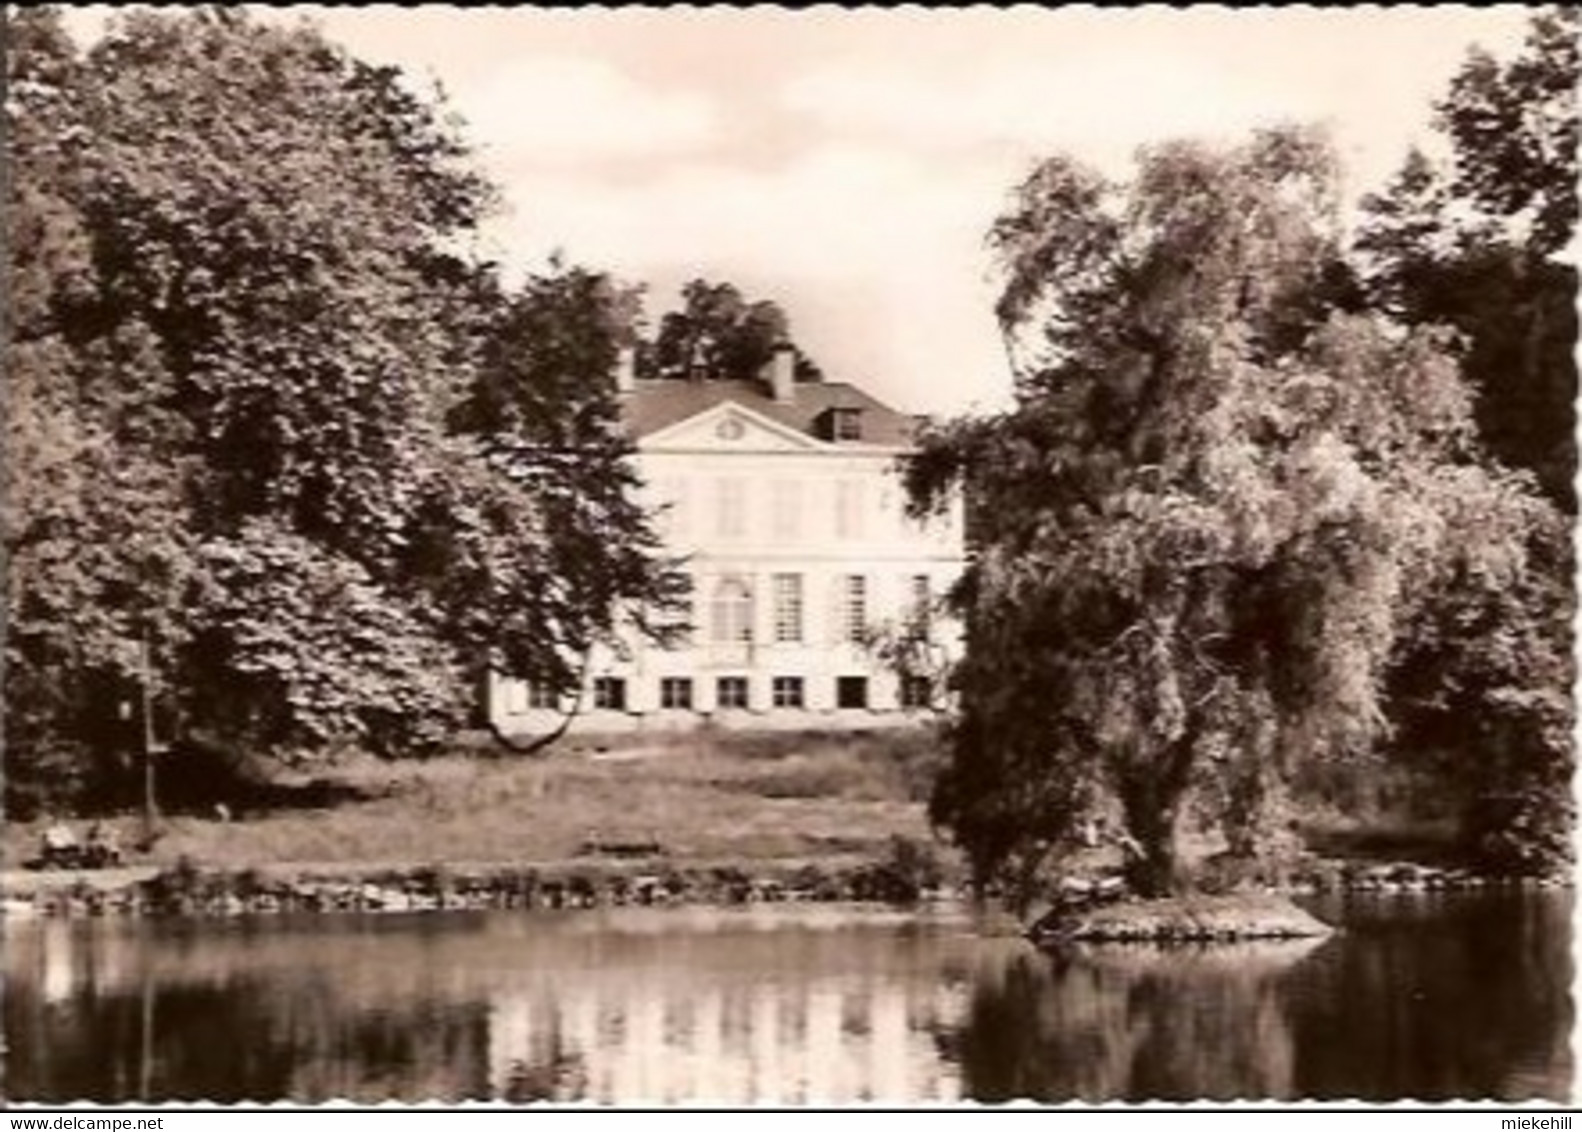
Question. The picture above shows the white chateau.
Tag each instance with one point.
(785, 500)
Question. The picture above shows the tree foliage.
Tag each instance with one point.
(1513, 128)
(718, 335)
(572, 552)
(1479, 245)
(248, 326)
(1476, 245)
(1203, 529)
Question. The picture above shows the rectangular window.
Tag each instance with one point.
(730, 693)
(731, 616)
(678, 621)
(788, 608)
(609, 693)
(916, 692)
(787, 510)
(855, 609)
(541, 697)
(788, 692)
(675, 693)
(731, 508)
(848, 509)
(848, 424)
(851, 692)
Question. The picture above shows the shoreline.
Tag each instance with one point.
(190, 890)
(1230, 918)
(195, 891)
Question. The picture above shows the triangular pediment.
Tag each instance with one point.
(730, 426)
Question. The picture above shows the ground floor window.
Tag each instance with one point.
(609, 693)
(916, 691)
(788, 692)
(851, 691)
(675, 692)
(730, 692)
(542, 697)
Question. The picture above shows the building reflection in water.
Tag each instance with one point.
(624, 1038)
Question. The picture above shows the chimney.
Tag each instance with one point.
(782, 373)
(626, 370)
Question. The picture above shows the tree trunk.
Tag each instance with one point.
(1152, 806)
(1258, 823)
(533, 746)
(1153, 865)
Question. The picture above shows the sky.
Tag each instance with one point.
(847, 164)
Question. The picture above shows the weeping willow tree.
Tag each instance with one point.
(1218, 507)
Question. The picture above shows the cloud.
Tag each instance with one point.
(1100, 108)
(877, 256)
(848, 163)
(560, 111)
(1099, 84)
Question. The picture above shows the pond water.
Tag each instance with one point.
(1430, 997)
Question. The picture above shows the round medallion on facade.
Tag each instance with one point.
(729, 429)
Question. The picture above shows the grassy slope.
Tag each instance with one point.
(701, 797)
(718, 797)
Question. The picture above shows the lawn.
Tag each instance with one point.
(700, 797)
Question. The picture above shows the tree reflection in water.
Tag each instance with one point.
(245, 1040)
(1133, 1023)
(124, 1012)
(1418, 998)
(561, 1078)
(1467, 998)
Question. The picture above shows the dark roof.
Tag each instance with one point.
(655, 405)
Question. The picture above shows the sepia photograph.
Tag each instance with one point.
(679, 558)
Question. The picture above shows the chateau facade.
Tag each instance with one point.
(785, 501)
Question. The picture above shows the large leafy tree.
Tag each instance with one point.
(719, 335)
(249, 316)
(64, 492)
(562, 554)
(1481, 244)
(1514, 131)
(1214, 508)
(1477, 244)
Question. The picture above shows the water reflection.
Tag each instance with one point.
(1135, 1022)
(118, 1012)
(1441, 999)
(765, 1043)
(1428, 998)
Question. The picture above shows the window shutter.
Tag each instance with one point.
(835, 600)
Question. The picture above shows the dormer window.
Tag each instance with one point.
(846, 424)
